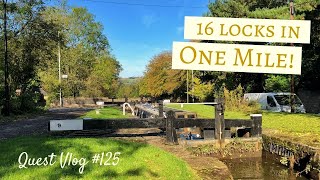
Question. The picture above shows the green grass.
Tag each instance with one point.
(206, 111)
(137, 160)
(105, 113)
(301, 128)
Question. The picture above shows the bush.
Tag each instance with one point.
(26, 103)
(278, 83)
(234, 101)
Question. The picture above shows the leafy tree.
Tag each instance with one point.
(159, 79)
(29, 44)
(128, 90)
(85, 56)
(129, 87)
(104, 78)
(229, 8)
(278, 83)
(310, 77)
(201, 90)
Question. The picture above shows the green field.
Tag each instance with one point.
(130, 80)
(136, 161)
(302, 128)
(105, 113)
(206, 111)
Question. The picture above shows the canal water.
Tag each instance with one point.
(267, 167)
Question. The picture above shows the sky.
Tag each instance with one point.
(137, 30)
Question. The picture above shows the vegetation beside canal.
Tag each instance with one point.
(235, 148)
(136, 160)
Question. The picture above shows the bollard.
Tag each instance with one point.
(256, 130)
(160, 108)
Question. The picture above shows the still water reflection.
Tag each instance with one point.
(265, 167)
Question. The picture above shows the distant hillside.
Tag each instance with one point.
(130, 80)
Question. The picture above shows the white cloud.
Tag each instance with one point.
(180, 29)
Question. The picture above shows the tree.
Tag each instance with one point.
(201, 90)
(159, 79)
(278, 83)
(310, 77)
(29, 38)
(103, 81)
(85, 56)
(129, 88)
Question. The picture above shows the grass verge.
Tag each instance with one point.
(207, 111)
(137, 160)
(105, 113)
(235, 147)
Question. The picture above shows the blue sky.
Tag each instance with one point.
(138, 32)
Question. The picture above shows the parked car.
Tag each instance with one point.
(276, 102)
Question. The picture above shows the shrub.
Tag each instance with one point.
(25, 103)
(234, 101)
(278, 83)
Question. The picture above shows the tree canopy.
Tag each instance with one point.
(36, 33)
(159, 79)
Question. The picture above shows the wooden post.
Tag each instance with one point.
(223, 125)
(171, 134)
(292, 99)
(256, 130)
(219, 120)
(160, 108)
(217, 128)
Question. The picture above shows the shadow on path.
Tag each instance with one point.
(38, 125)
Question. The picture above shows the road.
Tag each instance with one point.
(38, 125)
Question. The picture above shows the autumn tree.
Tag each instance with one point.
(160, 80)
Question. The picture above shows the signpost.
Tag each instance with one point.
(246, 29)
(236, 58)
(241, 57)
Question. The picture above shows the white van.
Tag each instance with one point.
(276, 102)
